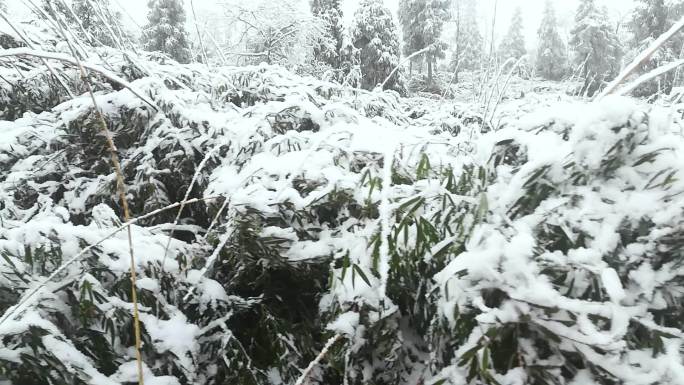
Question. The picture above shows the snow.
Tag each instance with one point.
(611, 282)
(346, 323)
(128, 373)
(174, 335)
(573, 261)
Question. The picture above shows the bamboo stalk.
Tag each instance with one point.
(382, 86)
(650, 76)
(642, 58)
(317, 360)
(121, 189)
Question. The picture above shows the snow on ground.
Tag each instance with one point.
(448, 225)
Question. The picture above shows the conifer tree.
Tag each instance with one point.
(335, 48)
(513, 45)
(422, 23)
(165, 30)
(467, 46)
(374, 33)
(650, 19)
(551, 55)
(597, 49)
(3, 6)
(328, 48)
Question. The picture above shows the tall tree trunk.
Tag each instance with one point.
(429, 61)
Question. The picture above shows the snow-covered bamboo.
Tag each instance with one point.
(29, 296)
(642, 58)
(305, 374)
(18, 52)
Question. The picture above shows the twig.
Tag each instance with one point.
(411, 56)
(199, 35)
(453, 77)
(642, 58)
(488, 99)
(505, 87)
(385, 210)
(99, 12)
(213, 257)
(200, 167)
(318, 359)
(216, 217)
(218, 49)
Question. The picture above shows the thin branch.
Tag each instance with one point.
(650, 76)
(218, 49)
(411, 56)
(495, 81)
(505, 87)
(199, 35)
(317, 360)
(98, 11)
(199, 169)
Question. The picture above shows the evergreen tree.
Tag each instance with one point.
(513, 45)
(328, 48)
(467, 47)
(165, 30)
(374, 33)
(650, 19)
(3, 6)
(349, 72)
(335, 48)
(422, 23)
(596, 47)
(551, 55)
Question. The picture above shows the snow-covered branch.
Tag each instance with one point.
(18, 52)
(642, 58)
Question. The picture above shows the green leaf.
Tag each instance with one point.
(361, 274)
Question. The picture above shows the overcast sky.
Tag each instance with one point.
(135, 11)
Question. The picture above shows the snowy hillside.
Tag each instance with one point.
(426, 251)
(286, 198)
